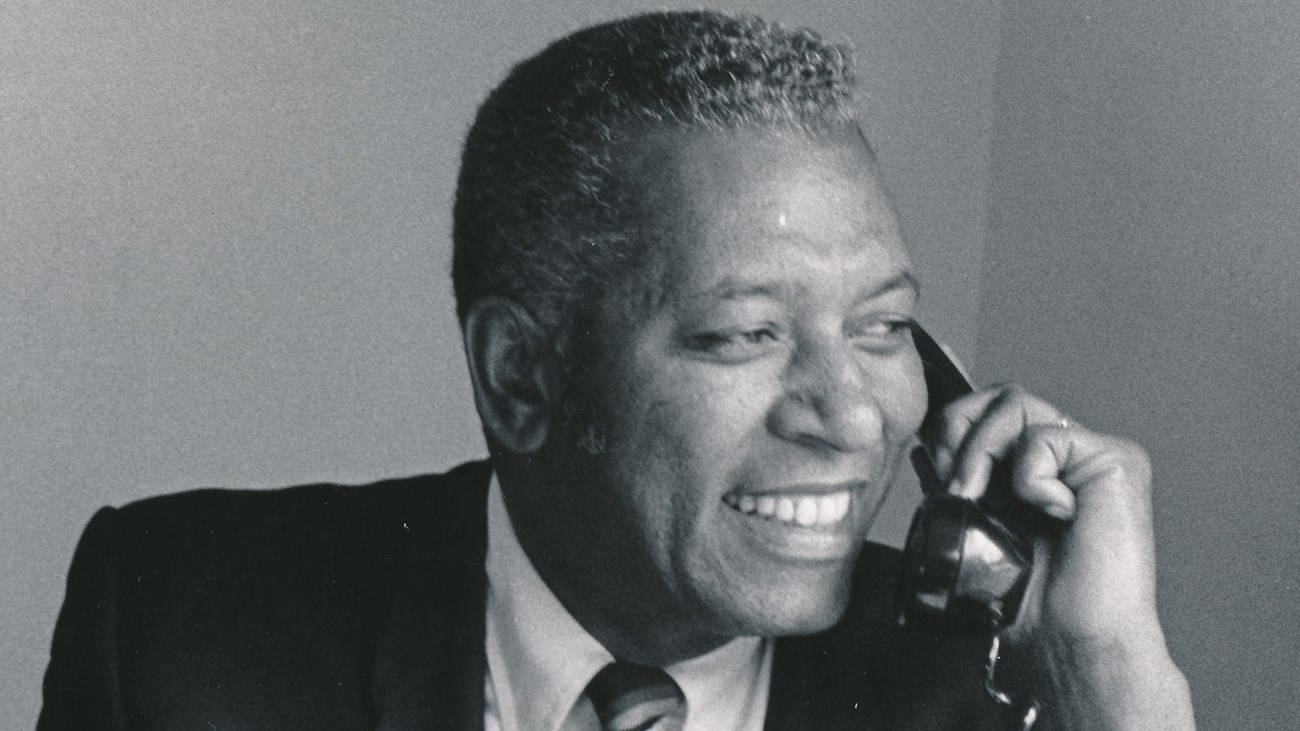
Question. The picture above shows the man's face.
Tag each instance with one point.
(754, 382)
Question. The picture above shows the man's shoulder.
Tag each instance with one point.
(308, 514)
(393, 492)
(225, 547)
(272, 542)
(225, 602)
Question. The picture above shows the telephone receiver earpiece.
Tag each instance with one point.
(962, 566)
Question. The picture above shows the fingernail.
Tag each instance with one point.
(942, 458)
(1060, 512)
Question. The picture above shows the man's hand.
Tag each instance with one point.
(1088, 636)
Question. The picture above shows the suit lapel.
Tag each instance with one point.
(430, 663)
(816, 685)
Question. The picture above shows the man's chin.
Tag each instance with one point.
(790, 613)
(807, 624)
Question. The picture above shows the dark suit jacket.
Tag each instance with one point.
(330, 607)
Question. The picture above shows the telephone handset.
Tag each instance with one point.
(963, 567)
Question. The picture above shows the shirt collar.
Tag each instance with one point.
(540, 659)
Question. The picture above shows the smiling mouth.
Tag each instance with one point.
(804, 511)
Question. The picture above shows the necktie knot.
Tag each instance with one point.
(630, 697)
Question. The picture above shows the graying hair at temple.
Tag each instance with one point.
(538, 217)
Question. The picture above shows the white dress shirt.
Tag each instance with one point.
(539, 659)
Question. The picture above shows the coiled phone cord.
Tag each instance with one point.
(1000, 696)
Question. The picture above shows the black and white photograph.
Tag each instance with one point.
(605, 365)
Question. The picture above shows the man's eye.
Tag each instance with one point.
(884, 332)
(734, 345)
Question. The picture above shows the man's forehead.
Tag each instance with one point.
(674, 148)
(715, 203)
(788, 183)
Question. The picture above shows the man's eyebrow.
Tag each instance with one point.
(903, 280)
(734, 289)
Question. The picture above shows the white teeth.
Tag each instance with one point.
(832, 508)
(802, 510)
(805, 511)
(784, 509)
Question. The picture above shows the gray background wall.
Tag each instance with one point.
(1143, 269)
(224, 244)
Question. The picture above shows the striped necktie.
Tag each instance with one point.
(630, 697)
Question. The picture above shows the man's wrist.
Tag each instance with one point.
(1115, 686)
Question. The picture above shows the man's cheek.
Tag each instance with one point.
(903, 395)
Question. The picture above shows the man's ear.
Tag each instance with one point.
(510, 366)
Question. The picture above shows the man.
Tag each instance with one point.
(687, 313)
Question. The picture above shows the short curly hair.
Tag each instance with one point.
(538, 218)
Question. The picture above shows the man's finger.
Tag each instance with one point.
(1042, 455)
(1094, 468)
(950, 429)
(994, 437)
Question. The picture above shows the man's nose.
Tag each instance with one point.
(828, 400)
